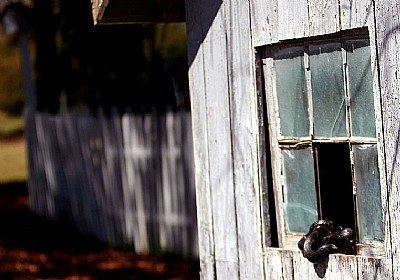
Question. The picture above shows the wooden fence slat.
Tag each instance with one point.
(167, 193)
(120, 178)
(123, 183)
(130, 216)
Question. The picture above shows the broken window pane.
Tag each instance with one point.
(335, 183)
(300, 198)
(329, 103)
(360, 89)
(369, 205)
(292, 93)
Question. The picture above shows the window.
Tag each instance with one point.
(323, 141)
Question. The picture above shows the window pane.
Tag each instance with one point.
(360, 87)
(292, 93)
(300, 198)
(329, 104)
(369, 205)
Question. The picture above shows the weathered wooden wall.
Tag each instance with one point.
(223, 37)
(226, 144)
(127, 179)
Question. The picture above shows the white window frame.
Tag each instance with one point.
(289, 241)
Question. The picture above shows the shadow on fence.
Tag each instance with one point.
(126, 179)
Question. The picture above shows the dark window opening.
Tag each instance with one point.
(269, 213)
(334, 183)
(271, 199)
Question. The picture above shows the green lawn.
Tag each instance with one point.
(13, 162)
(10, 125)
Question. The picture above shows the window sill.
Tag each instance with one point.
(375, 251)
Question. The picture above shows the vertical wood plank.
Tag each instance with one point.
(371, 268)
(173, 192)
(166, 186)
(273, 264)
(324, 17)
(302, 268)
(220, 148)
(356, 13)
(129, 208)
(89, 144)
(116, 121)
(264, 16)
(65, 174)
(112, 177)
(196, 19)
(148, 191)
(292, 19)
(387, 20)
(139, 153)
(341, 267)
(45, 164)
(287, 265)
(276, 20)
(244, 120)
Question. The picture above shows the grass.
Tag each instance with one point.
(10, 125)
(13, 162)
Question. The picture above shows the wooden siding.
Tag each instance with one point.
(127, 179)
(223, 37)
(225, 145)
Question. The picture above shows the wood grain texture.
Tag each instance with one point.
(292, 19)
(220, 148)
(302, 268)
(341, 267)
(197, 31)
(276, 20)
(372, 268)
(222, 85)
(387, 35)
(323, 16)
(244, 125)
(273, 264)
(263, 16)
(356, 13)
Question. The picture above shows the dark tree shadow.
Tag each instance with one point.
(34, 247)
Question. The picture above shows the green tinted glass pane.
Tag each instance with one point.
(369, 205)
(329, 104)
(292, 93)
(360, 89)
(300, 198)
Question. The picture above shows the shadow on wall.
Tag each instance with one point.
(197, 33)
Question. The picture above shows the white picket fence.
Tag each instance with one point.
(126, 179)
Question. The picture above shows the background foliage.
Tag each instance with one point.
(11, 88)
(120, 65)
